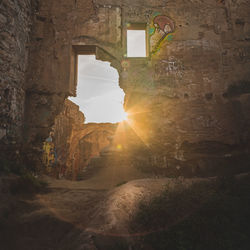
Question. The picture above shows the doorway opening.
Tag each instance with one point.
(99, 96)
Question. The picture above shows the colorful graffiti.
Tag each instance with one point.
(160, 30)
(49, 154)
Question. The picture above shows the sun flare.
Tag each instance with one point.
(122, 116)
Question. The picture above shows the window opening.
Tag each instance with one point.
(99, 96)
(136, 41)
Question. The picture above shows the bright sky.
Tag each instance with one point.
(136, 43)
(98, 94)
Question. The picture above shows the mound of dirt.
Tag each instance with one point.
(121, 203)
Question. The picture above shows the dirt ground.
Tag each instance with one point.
(88, 214)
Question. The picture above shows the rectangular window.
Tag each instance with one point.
(136, 42)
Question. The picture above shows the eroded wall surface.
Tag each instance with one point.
(70, 119)
(15, 25)
(189, 100)
(193, 95)
(57, 27)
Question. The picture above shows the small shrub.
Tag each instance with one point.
(233, 90)
(204, 216)
(121, 183)
(7, 167)
(29, 184)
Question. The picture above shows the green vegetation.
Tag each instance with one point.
(205, 216)
(29, 184)
(233, 90)
(121, 183)
(8, 167)
(26, 181)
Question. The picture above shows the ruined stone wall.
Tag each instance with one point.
(77, 143)
(15, 25)
(183, 92)
(189, 100)
(57, 27)
(193, 95)
(69, 119)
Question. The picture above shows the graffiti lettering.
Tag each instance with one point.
(166, 68)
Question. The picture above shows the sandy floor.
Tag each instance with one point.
(89, 214)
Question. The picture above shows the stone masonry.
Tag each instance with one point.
(15, 25)
(189, 99)
(75, 142)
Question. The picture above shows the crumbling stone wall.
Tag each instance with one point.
(189, 100)
(51, 76)
(76, 143)
(15, 25)
(71, 118)
(188, 115)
